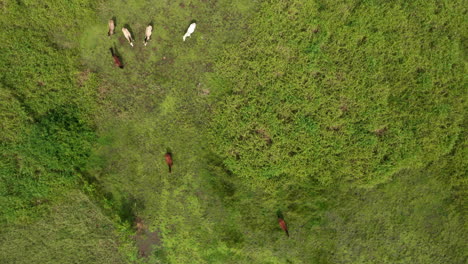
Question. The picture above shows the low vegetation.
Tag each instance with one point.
(348, 117)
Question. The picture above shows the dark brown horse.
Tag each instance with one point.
(117, 61)
(168, 157)
(282, 223)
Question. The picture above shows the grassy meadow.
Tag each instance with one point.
(347, 116)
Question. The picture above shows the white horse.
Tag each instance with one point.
(111, 28)
(190, 30)
(148, 32)
(128, 36)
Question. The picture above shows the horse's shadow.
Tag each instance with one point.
(127, 26)
(169, 151)
(115, 52)
(188, 25)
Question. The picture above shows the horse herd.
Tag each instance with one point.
(128, 36)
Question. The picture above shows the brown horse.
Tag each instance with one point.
(282, 223)
(169, 162)
(117, 61)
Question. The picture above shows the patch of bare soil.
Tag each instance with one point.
(145, 239)
(123, 40)
(102, 91)
(82, 77)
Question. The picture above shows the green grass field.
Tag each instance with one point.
(347, 116)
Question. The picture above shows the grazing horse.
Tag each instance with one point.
(128, 36)
(117, 61)
(111, 28)
(282, 223)
(148, 32)
(190, 30)
(168, 157)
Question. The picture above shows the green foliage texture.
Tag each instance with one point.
(347, 116)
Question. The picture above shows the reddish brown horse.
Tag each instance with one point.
(117, 61)
(168, 157)
(282, 223)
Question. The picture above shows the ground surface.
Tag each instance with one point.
(349, 117)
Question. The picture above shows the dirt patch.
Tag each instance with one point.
(166, 60)
(102, 91)
(209, 67)
(123, 40)
(205, 91)
(83, 77)
(264, 135)
(334, 128)
(381, 131)
(145, 240)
